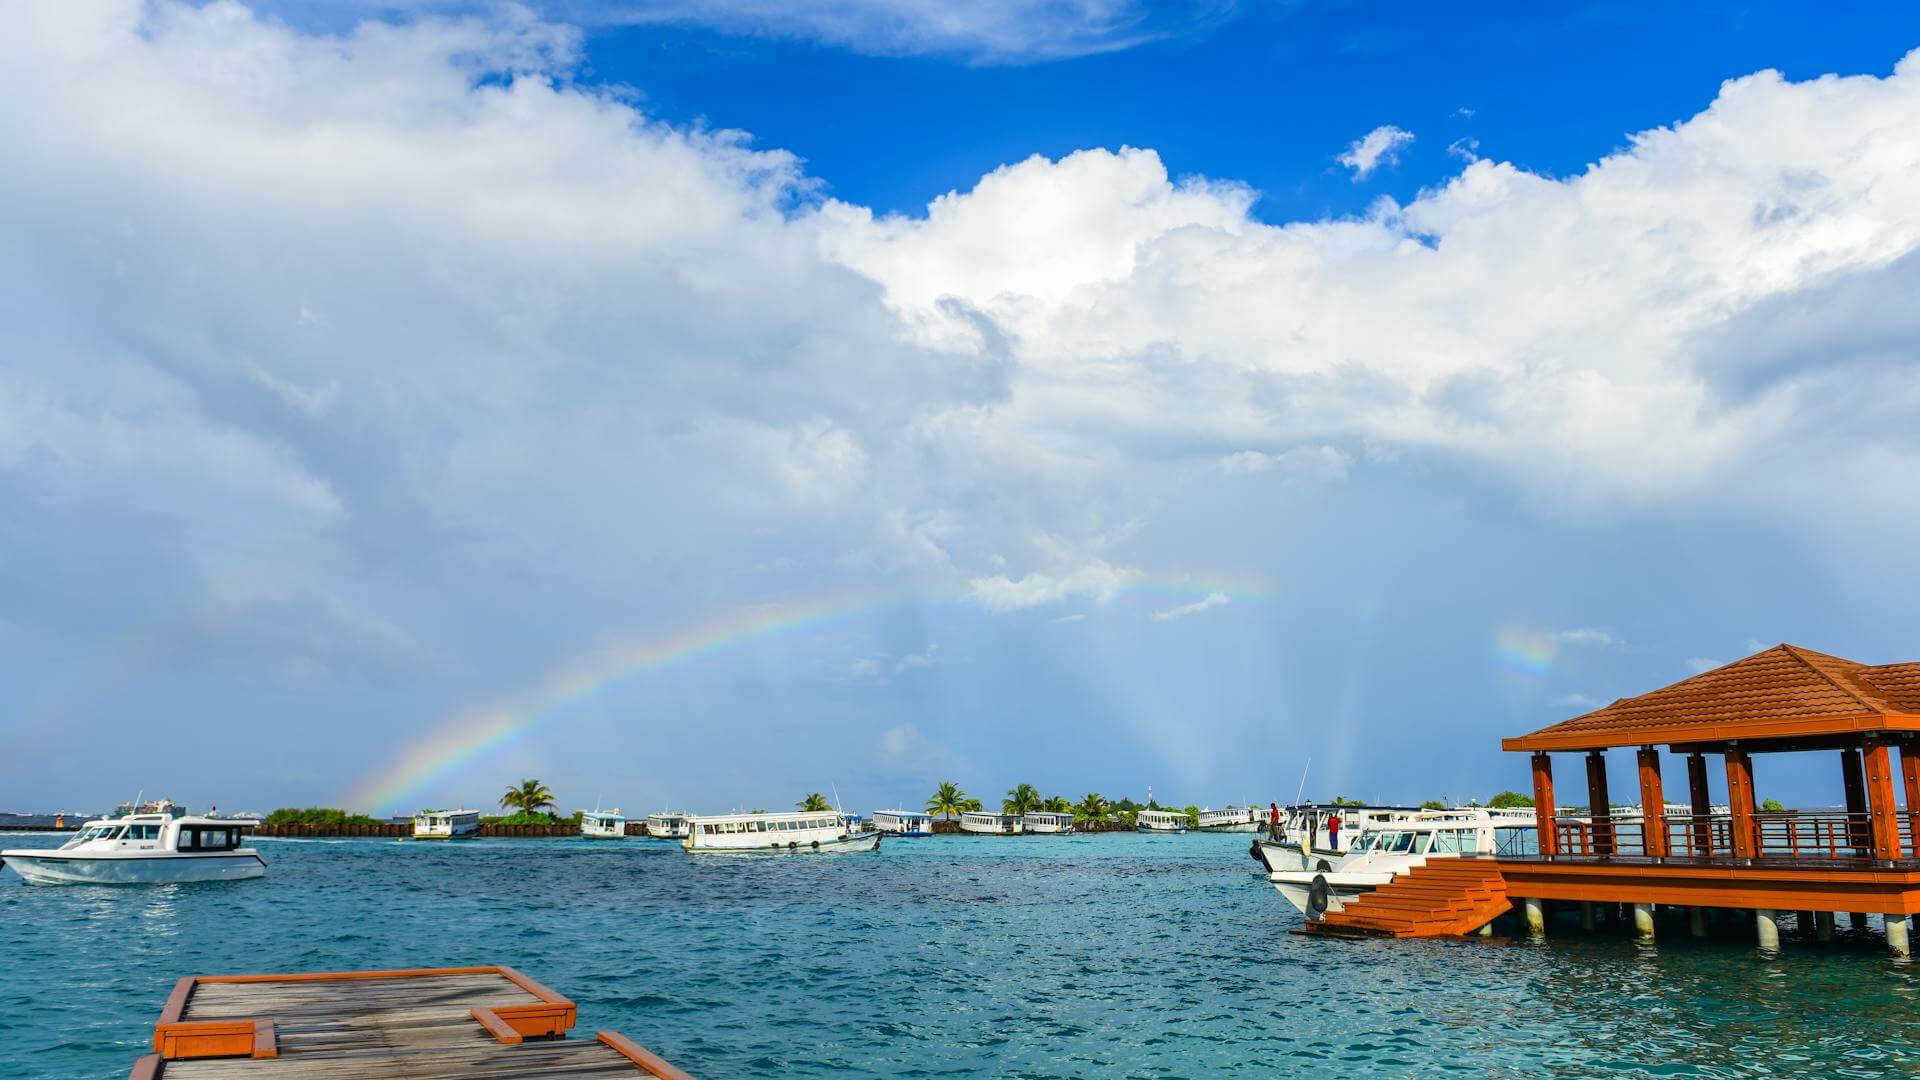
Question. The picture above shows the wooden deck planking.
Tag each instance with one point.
(406, 1026)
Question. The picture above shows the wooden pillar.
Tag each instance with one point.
(1910, 780)
(1884, 817)
(1740, 798)
(1599, 809)
(1543, 803)
(1702, 801)
(1851, 775)
(1653, 803)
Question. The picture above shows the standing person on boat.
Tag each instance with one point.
(1333, 830)
(1273, 820)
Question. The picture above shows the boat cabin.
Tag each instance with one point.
(981, 821)
(445, 824)
(670, 826)
(744, 831)
(903, 822)
(1046, 821)
(1161, 820)
(603, 825)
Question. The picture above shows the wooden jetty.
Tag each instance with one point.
(425, 1024)
(1741, 863)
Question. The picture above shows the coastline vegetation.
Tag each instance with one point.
(316, 815)
(814, 803)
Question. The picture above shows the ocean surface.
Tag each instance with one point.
(979, 956)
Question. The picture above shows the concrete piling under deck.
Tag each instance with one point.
(1823, 926)
(1697, 921)
(1534, 912)
(1766, 926)
(1643, 920)
(1897, 936)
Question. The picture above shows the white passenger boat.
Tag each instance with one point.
(600, 825)
(1046, 821)
(981, 821)
(445, 824)
(1396, 846)
(797, 831)
(1307, 840)
(1233, 819)
(1161, 821)
(161, 844)
(903, 822)
(667, 826)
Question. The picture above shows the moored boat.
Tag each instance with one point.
(1397, 845)
(667, 826)
(446, 824)
(797, 832)
(1046, 821)
(1161, 821)
(1308, 840)
(1234, 819)
(987, 822)
(903, 822)
(602, 825)
(159, 844)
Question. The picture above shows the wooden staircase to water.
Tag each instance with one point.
(1443, 898)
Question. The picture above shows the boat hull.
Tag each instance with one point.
(1285, 857)
(1342, 889)
(47, 868)
(1234, 827)
(869, 841)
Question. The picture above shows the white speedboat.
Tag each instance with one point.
(446, 824)
(1396, 846)
(1046, 821)
(1233, 819)
(667, 826)
(1308, 841)
(796, 831)
(601, 825)
(1161, 821)
(981, 821)
(162, 844)
(903, 822)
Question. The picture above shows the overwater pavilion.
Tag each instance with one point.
(1862, 859)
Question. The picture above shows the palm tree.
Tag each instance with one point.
(815, 803)
(971, 805)
(1020, 799)
(1092, 809)
(1193, 816)
(947, 799)
(1058, 804)
(529, 798)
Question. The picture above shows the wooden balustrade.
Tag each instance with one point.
(1836, 836)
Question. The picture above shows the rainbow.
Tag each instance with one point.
(1524, 652)
(472, 736)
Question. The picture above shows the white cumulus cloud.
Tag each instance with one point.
(1378, 147)
(1207, 603)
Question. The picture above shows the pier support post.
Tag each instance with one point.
(1586, 916)
(1823, 926)
(1766, 927)
(1805, 921)
(1697, 921)
(1487, 930)
(1643, 921)
(1857, 920)
(1897, 936)
(1534, 910)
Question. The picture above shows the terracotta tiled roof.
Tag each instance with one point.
(1782, 693)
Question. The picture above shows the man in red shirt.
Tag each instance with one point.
(1333, 830)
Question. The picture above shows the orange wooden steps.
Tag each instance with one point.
(1444, 898)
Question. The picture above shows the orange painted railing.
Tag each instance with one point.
(1834, 836)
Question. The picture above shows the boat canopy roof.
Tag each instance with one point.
(905, 813)
(776, 815)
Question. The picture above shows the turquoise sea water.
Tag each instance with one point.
(984, 956)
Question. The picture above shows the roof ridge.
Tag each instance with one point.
(1801, 654)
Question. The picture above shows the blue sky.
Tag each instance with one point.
(692, 405)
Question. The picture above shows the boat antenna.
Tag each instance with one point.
(1302, 789)
(841, 810)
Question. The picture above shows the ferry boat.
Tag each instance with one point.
(1161, 821)
(1395, 846)
(157, 843)
(599, 825)
(445, 824)
(667, 826)
(1306, 842)
(903, 822)
(1233, 819)
(982, 821)
(796, 831)
(1046, 821)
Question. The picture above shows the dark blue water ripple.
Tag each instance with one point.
(1031, 956)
